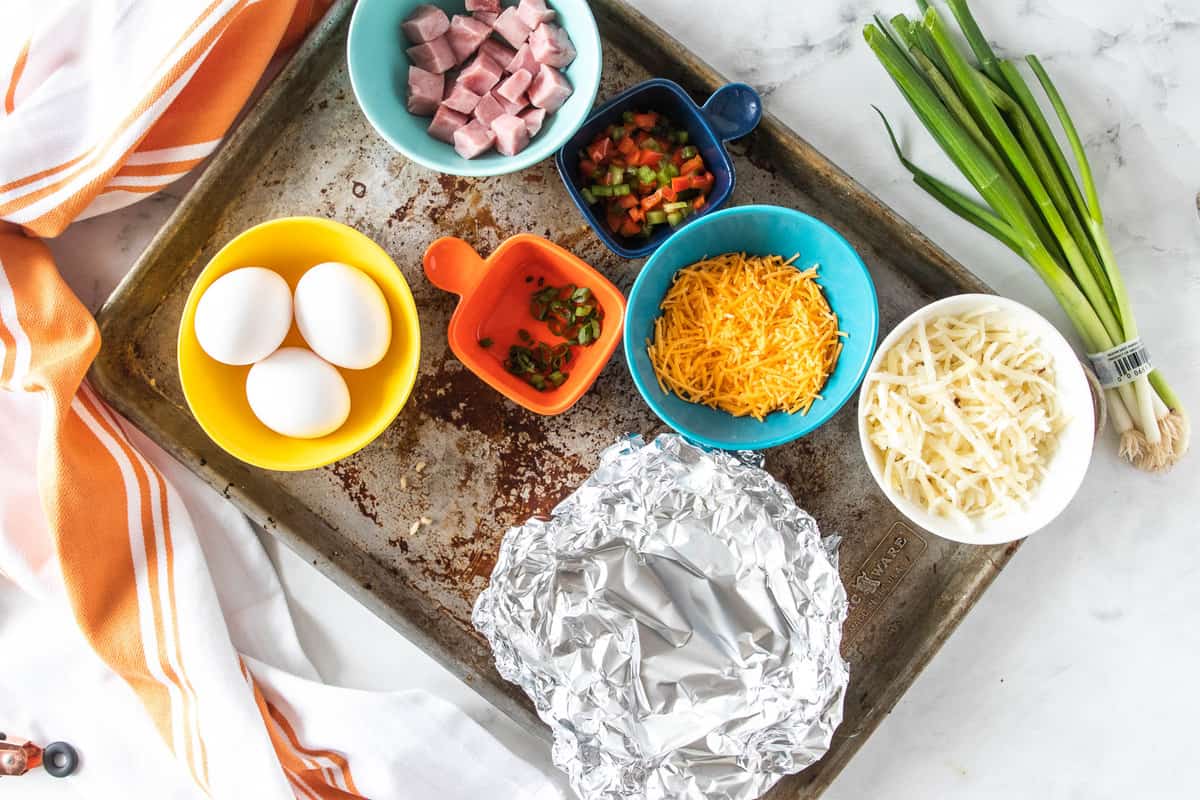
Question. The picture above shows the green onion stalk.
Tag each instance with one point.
(985, 118)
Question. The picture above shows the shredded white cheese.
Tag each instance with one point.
(965, 415)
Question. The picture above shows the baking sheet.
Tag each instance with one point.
(462, 455)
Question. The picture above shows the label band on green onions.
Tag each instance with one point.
(1122, 364)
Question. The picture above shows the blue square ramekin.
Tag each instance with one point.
(730, 113)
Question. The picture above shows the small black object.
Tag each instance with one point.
(2, 736)
(59, 759)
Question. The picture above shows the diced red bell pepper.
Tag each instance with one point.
(645, 121)
(650, 158)
(681, 184)
(677, 157)
(615, 219)
(627, 201)
(627, 146)
(601, 150)
(636, 214)
(630, 228)
(693, 164)
(587, 167)
(652, 200)
(702, 182)
(669, 194)
(699, 202)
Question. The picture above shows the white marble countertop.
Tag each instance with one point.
(1074, 675)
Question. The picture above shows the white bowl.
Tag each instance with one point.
(1067, 466)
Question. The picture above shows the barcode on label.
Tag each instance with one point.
(1126, 362)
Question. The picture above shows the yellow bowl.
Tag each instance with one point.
(216, 392)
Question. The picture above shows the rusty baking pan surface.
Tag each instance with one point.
(462, 455)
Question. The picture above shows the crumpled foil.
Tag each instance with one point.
(677, 623)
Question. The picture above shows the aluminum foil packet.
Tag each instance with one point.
(677, 623)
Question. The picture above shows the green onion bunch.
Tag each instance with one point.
(985, 118)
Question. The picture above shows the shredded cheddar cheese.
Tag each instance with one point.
(965, 415)
(746, 334)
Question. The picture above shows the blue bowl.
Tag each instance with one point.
(379, 74)
(756, 230)
(730, 113)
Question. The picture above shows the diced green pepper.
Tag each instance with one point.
(620, 190)
(674, 218)
(587, 196)
(669, 207)
(645, 174)
(688, 152)
(656, 217)
(681, 137)
(616, 174)
(627, 116)
(618, 133)
(600, 190)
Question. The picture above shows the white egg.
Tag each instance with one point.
(295, 393)
(343, 315)
(244, 315)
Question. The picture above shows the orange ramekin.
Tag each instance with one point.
(494, 305)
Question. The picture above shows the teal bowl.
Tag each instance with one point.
(756, 230)
(379, 73)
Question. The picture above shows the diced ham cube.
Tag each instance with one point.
(551, 46)
(486, 17)
(445, 122)
(461, 99)
(498, 51)
(511, 134)
(488, 6)
(514, 86)
(534, 13)
(550, 89)
(534, 118)
(512, 106)
(523, 60)
(473, 139)
(425, 24)
(480, 75)
(465, 35)
(510, 26)
(424, 91)
(488, 109)
(433, 56)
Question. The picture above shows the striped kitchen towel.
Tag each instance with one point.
(182, 644)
